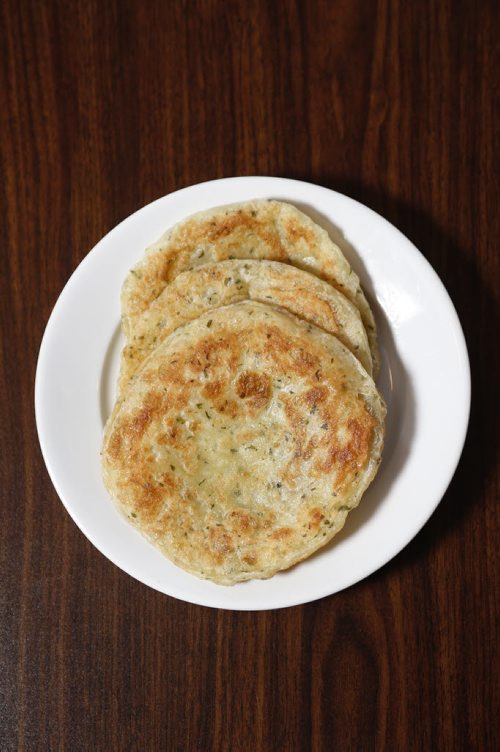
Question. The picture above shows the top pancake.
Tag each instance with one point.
(259, 229)
(210, 286)
(243, 442)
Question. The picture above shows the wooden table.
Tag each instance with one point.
(106, 106)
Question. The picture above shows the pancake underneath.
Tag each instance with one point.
(259, 229)
(210, 286)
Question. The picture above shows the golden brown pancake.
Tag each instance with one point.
(243, 442)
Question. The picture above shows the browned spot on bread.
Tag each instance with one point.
(134, 428)
(148, 496)
(346, 458)
(227, 407)
(241, 522)
(315, 396)
(313, 308)
(221, 543)
(315, 517)
(115, 445)
(233, 226)
(277, 341)
(361, 433)
(304, 361)
(168, 373)
(141, 421)
(197, 363)
(251, 560)
(212, 389)
(282, 533)
(310, 448)
(299, 361)
(229, 224)
(168, 481)
(298, 231)
(150, 376)
(256, 385)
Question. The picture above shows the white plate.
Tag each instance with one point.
(425, 380)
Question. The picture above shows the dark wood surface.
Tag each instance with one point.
(108, 105)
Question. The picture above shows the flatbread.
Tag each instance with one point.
(211, 286)
(243, 443)
(259, 229)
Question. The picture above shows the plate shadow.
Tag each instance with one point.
(109, 373)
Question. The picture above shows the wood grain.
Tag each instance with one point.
(106, 106)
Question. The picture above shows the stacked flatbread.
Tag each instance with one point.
(247, 422)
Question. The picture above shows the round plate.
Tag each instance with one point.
(425, 380)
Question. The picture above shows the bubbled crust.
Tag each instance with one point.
(260, 229)
(210, 286)
(241, 446)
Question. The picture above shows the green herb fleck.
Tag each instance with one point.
(209, 323)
